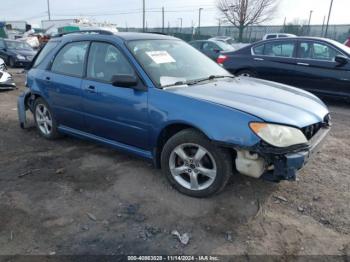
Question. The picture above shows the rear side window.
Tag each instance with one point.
(280, 49)
(106, 61)
(271, 36)
(258, 50)
(70, 59)
(47, 49)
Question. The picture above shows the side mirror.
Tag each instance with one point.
(216, 51)
(342, 60)
(124, 80)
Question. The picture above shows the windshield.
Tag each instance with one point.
(345, 48)
(170, 62)
(17, 45)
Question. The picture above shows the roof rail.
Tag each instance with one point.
(98, 31)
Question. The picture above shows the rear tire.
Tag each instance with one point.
(246, 73)
(44, 120)
(194, 165)
(12, 63)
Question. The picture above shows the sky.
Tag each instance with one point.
(129, 12)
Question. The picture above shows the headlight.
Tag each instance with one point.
(21, 57)
(278, 135)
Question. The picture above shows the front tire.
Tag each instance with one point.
(12, 63)
(44, 120)
(194, 165)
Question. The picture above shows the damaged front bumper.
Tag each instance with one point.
(6, 81)
(276, 164)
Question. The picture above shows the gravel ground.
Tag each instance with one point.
(75, 197)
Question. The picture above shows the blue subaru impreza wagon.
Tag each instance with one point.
(159, 98)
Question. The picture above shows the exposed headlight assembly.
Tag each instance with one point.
(21, 57)
(278, 135)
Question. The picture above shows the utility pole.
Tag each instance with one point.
(309, 22)
(48, 9)
(180, 18)
(329, 15)
(163, 19)
(144, 15)
(284, 24)
(199, 20)
(324, 19)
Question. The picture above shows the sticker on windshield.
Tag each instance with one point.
(161, 57)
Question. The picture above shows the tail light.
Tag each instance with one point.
(221, 59)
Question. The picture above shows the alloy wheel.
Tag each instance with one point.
(43, 119)
(192, 166)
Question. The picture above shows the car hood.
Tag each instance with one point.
(269, 101)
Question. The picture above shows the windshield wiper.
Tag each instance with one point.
(178, 83)
(212, 77)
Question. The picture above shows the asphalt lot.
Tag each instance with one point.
(75, 197)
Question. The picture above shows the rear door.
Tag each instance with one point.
(317, 70)
(63, 84)
(275, 61)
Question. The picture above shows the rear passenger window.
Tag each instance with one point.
(280, 49)
(70, 60)
(271, 36)
(46, 49)
(106, 61)
(258, 50)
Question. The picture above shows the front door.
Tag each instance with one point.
(317, 70)
(113, 112)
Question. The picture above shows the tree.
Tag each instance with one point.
(244, 13)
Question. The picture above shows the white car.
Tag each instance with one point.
(6, 81)
(3, 66)
(277, 35)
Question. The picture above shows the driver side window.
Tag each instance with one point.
(106, 61)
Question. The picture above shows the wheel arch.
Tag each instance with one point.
(166, 133)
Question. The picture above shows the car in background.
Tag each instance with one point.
(3, 66)
(16, 53)
(157, 97)
(319, 65)
(347, 42)
(277, 35)
(6, 81)
(211, 48)
(225, 39)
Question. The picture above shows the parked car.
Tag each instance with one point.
(16, 53)
(321, 66)
(226, 39)
(3, 66)
(211, 48)
(6, 81)
(347, 42)
(277, 35)
(157, 97)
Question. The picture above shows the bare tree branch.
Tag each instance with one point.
(243, 13)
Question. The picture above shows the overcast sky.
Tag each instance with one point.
(128, 12)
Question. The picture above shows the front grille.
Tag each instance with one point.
(311, 130)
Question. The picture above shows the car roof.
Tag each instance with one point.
(293, 39)
(126, 36)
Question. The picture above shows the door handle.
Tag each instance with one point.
(303, 64)
(47, 78)
(91, 89)
(259, 59)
